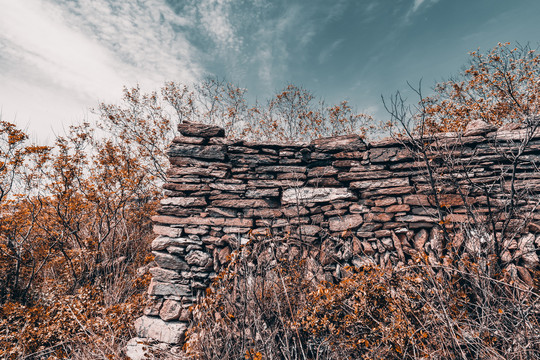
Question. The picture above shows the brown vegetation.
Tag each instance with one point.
(270, 309)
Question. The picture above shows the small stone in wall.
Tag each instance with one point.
(199, 258)
(158, 288)
(527, 251)
(224, 255)
(309, 230)
(361, 261)
(305, 195)
(341, 223)
(420, 239)
(169, 261)
(165, 275)
(170, 310)
(478, 127)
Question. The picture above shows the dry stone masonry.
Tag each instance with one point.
(338, 201)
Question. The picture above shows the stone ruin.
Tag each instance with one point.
(350, 202)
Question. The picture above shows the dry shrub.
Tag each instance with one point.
(78, 326)
(263, 307)
(74, 230)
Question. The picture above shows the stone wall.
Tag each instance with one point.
(336, 200)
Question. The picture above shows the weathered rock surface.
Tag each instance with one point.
(345, 223)
(201, 130)
(168, 261)
(158, 288)
(338, 143)
(137, 348)
(478, 127)
(170, 310)
(163, 331)
(306, 195)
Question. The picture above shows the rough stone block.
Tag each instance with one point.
(347, 222)
(377, 184)
(200, 130)
(167, 231)
(199, 258)
(159, 330)
(169, 261)
(417, 200)
(158, 288)
(170, 310)
(394, 154)
(184, 201)
(339, 143)
(305, 195)
(245, 203)
(163, 242)
(196, 220)
(165, 275)
(210, 152)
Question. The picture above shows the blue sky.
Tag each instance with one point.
(60, 57)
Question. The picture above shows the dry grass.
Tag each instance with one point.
(262, 307)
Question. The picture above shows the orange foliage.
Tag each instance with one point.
(75, 226)
(500, 86)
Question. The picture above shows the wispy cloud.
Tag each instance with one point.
(62, 54)
(417, 6)
(325, 54)
(271, 51)
(215, 17)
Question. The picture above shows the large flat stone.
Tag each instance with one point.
(245, 203)
(184, 201)
(340, 223)
(195, 220)
(137, 349)
(167, 231)
(200, 130)
(196, 170)
(305, 195)
(478, 127)
(378, 184)
(156, 329)
(339, 143)
(322, 171)
(165, 275)
(169, 261)
(158, 288)
(211, 152)
(163, 242)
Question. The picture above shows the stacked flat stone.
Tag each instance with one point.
(337, 201)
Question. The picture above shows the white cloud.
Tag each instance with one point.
(325, 54)
(215, 17)
(271, 53)
(417, 4)
(72, 53)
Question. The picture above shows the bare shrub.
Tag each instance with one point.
(263, 307)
